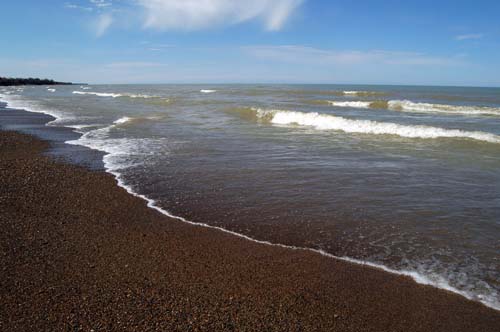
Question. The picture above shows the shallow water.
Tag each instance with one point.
(405, 177)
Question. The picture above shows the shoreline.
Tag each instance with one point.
(101, 164)
(105, 260)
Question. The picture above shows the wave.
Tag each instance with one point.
(126, 120)
(269, 90)
(61, 119)
(131, 95)
(413, 107)
(339, 93)
(67, 120)
(331, 122)
(100, 94)
(117, 150)
(364, 93)
(115, 95)
(120, 153)
(51, 90)
(409, 106)
(79, 127)
(13, 101)
(123, 120)
(353, 104)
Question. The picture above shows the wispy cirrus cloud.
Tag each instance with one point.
(90, 6)
(69, 5)
(202, 14)
(469, 36)
(186, 15)
(101, 3)
(316, 56)
(102, 23)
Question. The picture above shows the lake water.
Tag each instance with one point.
(402, 177)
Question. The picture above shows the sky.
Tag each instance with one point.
(259, 41)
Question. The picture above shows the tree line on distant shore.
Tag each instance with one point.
(6, 81)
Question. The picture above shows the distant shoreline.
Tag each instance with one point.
(15, 81)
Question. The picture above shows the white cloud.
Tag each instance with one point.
(102, 24)
(92, 4)
(100, 3)
(200, 14)
(74, 6)
(315, 56)
(469, 36)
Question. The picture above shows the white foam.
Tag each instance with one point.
(85, 87)
(123, 120)
(100, 94)
(51, 90)
(350, 92)
(15, 101)
(79, 127)
(353, 104)
(208, 91)
(115, 95)
(362, 93)
(121, 153)
(61, 118)
(131, 95)
(330, 122)
(412, 107)
(409, 106)
(127, 119)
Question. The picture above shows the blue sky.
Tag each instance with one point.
(259, 41)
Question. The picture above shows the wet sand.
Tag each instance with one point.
(78, 253)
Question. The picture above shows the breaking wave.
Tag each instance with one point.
(413, 107)
(14, 101)
(99, 94)
(115, 95)
(409, 106)
(121, 153)
(123, 120)
(208, 91)
(339, 93)
(363, 93)
(353, 104)
(331, 122)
